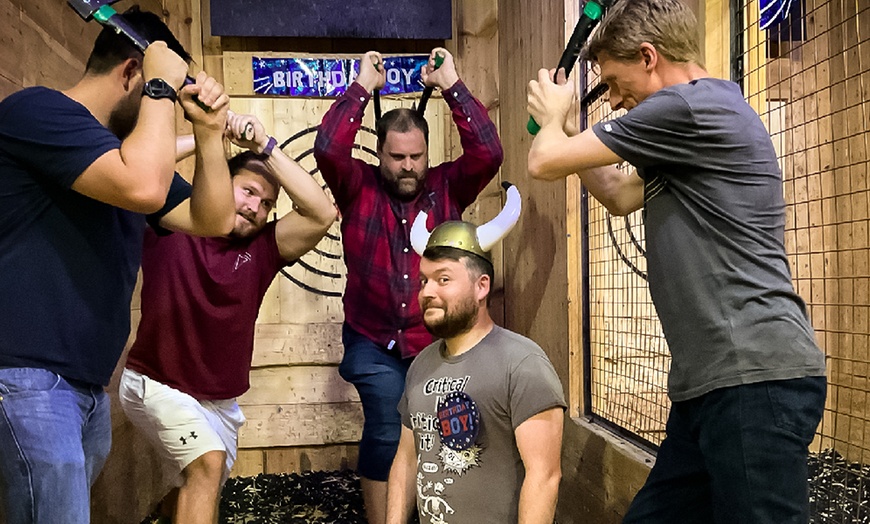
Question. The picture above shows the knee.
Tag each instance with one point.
(207, 468)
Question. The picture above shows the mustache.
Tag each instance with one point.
(250, 217)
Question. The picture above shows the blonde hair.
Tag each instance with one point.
(669, 25)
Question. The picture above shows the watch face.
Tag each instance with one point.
(157, 88)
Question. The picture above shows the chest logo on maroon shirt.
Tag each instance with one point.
(241, 259)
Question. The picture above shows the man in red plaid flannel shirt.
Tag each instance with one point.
(383, 327)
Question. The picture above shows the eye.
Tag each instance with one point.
(443, 280)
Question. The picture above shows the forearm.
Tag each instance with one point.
(148, 152)
(212, 207)
(184, 147)
(538, 497)
(401, 495)
(338, 129)
(401, 492)
(308, 198)
(477, 132)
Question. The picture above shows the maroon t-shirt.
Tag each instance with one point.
(200, 300)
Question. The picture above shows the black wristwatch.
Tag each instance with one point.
(157, 88)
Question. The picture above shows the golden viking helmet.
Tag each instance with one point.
(477, 240)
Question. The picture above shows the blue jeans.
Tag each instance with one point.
(735, 455)
(379, 377)
(54, 439)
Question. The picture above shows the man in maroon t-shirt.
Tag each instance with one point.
(200, 299)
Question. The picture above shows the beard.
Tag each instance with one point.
(124, 116)
(246, 226)
(406, 184)
(454, 321)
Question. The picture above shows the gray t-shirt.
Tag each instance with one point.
(714, 218)
(509, 379)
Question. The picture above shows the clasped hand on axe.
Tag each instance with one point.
(103, 12)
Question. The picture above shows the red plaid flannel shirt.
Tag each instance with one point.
(380, 300)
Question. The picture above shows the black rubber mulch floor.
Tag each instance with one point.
(839, 493)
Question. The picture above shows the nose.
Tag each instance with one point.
(615, 102)
(252, 203)
(407, 164)
(426, 290)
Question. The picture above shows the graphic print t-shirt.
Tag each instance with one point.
(510, 379)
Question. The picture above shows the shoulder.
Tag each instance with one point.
(40, 99)
(514, 345)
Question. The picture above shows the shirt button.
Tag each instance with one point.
(404, 220)
(455, 94)
(404, 305)
(351, 119)
(405, 277)
(469, 119)
(405, 250)
(362, 99)
(400, 331)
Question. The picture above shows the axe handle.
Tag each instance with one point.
(427, 93)
(593, 10)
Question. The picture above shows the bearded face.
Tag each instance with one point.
(404, 163)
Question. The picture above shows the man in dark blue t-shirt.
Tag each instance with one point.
(747, 380)
(79, 172)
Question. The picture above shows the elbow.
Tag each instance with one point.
(225, 226)
(147, 200)
(218, 225)
(326, 217)
(538, 169)
(320, 147)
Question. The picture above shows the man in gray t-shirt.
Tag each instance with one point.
(747, 378)
(483, 408)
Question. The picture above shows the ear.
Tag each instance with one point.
(482, 287)
(649, 55)
(130, 69)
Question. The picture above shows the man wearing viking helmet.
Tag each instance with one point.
(383, 326)
(483, 408)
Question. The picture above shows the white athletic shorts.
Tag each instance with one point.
(181, 427)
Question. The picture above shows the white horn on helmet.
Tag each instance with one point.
(419, 233)
(496, 229)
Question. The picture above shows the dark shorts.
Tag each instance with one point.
(379, 378)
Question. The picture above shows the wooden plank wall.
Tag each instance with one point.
(319, 408)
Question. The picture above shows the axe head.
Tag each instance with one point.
(87, 8)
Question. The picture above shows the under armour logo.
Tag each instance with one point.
(241, 259)
(184, 439)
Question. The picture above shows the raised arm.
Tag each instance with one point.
(338, 129)
(555, 155)
(482, 153)
(138, 175)
(299, 230)
(210, 210)
(539, 441)
(401, 496)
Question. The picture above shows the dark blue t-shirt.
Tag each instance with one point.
(68, 263)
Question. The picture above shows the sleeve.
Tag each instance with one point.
(403, 410)
(335, 142)
(179, 191)
(482, 153)
(52, 135)
(534, 387)
(658, 130)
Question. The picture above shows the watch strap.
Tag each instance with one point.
(270, 145)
